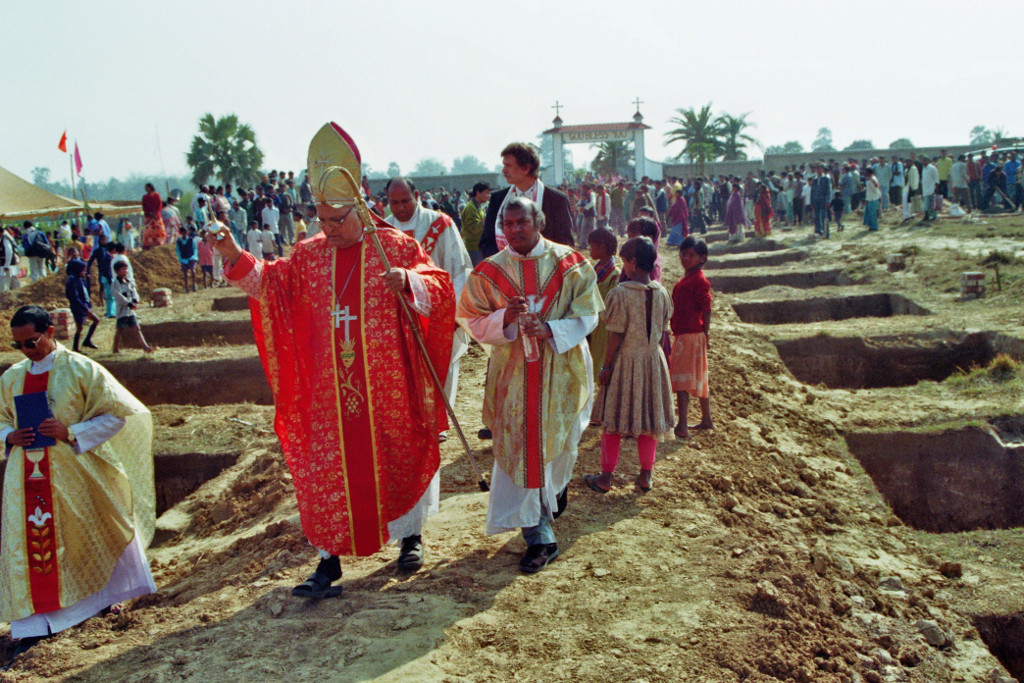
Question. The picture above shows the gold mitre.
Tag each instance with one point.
(334, 167)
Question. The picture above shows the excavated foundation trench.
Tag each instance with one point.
(818, 309)
(955, 480)
(195, 382)
(199, 333)
(176, 475)
(1004, 636)
(231, 303)
(767, 260)
(865, 363)
(745, 247)
(732, 284)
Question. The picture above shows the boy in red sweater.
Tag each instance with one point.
(691, 324)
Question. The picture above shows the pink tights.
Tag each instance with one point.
(647, 446)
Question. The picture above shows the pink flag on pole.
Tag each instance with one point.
(78, 160)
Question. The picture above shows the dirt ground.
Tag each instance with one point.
(764, 552)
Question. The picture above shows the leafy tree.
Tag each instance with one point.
(226, 149)
(700, 132)
(613, 157)
(901, 143)
(733, 140)
(373, 174)
(468, 164)
(823, 143)
(791, 147)
(40, 176)
(981, 136)
(429, 167)
(859, 145)
(393, 170)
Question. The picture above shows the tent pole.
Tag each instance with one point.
(71, 172)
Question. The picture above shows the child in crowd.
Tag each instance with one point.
(120, 256)
(186, 249)
(269, 244)
(691, 325)
(76, 288)
(837, 210)
(205, 250)
(603, 245)
(635, 394)
(254, 240)
(645, 226)
(127, 299)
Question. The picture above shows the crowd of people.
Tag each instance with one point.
(575, 342)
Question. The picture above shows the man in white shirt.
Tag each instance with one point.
(929, 186)
(271, 218)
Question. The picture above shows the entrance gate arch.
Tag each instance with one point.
(593, 133)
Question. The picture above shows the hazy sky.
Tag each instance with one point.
(416, 79)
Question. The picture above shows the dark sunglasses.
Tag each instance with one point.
(28, 344)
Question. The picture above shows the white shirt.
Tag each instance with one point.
(929, 180)
(271, 215)
(254, 241)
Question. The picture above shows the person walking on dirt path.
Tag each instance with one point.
(535, 302)
(76, 289)
(79, 508)
(357, 414)
(127, 298)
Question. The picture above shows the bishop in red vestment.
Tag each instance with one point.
(357, 413)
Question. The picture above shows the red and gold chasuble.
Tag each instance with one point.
(357, 413)
(555, 285)
(40, 532)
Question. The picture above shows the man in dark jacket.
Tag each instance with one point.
(521, 166)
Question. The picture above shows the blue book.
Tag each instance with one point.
(32, 409)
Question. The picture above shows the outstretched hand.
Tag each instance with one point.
(226, 245)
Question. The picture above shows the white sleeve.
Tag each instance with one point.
(568, 333)
(454, 258)
(92, 433)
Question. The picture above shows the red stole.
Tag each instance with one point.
(40, 527)
(539, 295)
(434, 233)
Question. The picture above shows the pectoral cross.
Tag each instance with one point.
(341, 315)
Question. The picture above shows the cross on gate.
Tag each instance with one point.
(638, 102)
(341, 315)
(558, 108)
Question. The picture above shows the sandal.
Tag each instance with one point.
(537, 557)
(410, 557)
(316, 587)
(591, 481)
(645, 480)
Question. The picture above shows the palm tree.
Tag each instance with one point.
(226, 149)
(699, 130)
(612, 157)
(733, 139)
